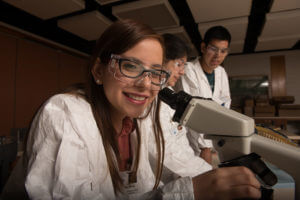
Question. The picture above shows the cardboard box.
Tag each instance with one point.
(290, 110)
(264, 114)
(249, 102)
(262, 102)
(248, 110)
(264, 109)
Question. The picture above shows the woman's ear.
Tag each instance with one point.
(97, 72)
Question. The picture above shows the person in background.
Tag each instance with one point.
(176, 55)
(205, 77)
(89, 143)
(179, 156)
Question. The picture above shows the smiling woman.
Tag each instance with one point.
(111, 108)
(89, 143)
(130, 95)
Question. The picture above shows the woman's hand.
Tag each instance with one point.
(206, 154)
(226, 183)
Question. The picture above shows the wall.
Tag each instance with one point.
(8, 50)
(259, 64)
(31, 72)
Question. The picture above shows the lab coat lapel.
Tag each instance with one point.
(217, 83)
(204, 87)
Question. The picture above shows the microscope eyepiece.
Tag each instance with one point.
(177, 101)
(168, 96)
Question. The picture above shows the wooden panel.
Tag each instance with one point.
(7, 82)
(278, 76)
(72, 70)
(37, 79)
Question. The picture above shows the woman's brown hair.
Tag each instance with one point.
(117, 39)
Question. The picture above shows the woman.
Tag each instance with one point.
(176, 57)
(88, 144)
(177, 52)
(81, 144)
(175, 61)
(179, 156)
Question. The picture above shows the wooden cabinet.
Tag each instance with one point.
(8, 52)
(71, 70)
(278, 76)
(36, 79)
(31, 72)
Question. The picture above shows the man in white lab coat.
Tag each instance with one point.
(205, 77)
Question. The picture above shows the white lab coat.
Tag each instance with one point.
(179, 156)
(67, 159)
(195, 82)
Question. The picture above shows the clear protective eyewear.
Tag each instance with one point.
(180, 63)
(215, 50)
(130, 69)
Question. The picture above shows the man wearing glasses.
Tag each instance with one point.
(205, 77)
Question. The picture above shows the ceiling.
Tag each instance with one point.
(255, 25)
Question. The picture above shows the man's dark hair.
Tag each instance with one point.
(174, 47)
(217, 33)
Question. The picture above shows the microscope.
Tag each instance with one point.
(233, 135)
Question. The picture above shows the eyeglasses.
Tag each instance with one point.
(212, 49)
(180, 63)
(130, 68)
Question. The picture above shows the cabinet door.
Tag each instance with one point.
(7, 82)
(37, 79)
(71, 70)
(278, 76)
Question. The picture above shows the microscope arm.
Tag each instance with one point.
(232, 133)
(233, 136)
(284, 156)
